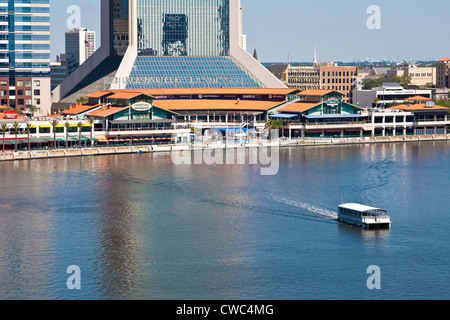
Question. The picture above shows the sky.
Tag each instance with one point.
(409, 29)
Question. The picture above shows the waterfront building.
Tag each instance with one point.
(168, 44)
(389, 92)
(25, 54)
(147, 116)
(442, 73)
(323, 113)
(122, 112)
(80, 45)
(427, 116)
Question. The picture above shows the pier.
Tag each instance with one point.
(98, 151)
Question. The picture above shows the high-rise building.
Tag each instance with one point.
(168, 44)
(442, 73)
(339, 78)
(80, 45)
(59, 70)
(25, 54)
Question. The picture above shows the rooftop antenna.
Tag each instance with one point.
(315, 55)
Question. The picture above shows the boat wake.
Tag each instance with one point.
(320, 212)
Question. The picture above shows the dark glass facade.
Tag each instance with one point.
(186, 44)
(197, 28)
(120, 25)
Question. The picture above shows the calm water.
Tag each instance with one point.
(140, 227)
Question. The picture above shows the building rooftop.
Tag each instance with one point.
(418, 98)
(316, 92)
(79, 108)
(232, 105)
(419, 107)
(357, 207)
(107, 111)
(299, 107)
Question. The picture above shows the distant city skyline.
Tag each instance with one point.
(290, 28)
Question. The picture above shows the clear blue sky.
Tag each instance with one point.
(410, 29)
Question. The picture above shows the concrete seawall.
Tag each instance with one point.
(98, 151)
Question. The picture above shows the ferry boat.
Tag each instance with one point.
(363, 216)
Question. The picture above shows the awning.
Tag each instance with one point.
(334, 116)
(284, 115)
(141, 121)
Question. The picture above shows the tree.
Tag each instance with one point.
(82, 100)
(80, 128)
(33, 110)
(28, 133)
(67, 126)
(369, 84)
(404, 81)
(4, 127)
(376, 101)
(16, 127)
(91, 121)
(274, 124)
(54, 124)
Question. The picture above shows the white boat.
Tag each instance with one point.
(363, 216)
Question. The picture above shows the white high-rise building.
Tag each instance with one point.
(80, 45)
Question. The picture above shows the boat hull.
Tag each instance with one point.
(364, 224)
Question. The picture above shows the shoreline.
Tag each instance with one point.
(99, 151)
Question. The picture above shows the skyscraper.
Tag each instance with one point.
(80, 45)
(168, 44)
(25, 54)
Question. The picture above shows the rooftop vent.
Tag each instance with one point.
(429, 104)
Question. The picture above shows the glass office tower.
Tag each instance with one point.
(186, 43)
(169, 44)
(25, 53)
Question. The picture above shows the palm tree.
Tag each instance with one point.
(4, 127)
(376, 101)
(91, 121)
(54, 124)
(274, 124)
(28, 133)
(16, 127)
(33, 110)
(80, 127)
(67, 126)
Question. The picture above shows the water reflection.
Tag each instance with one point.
(141, 227)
